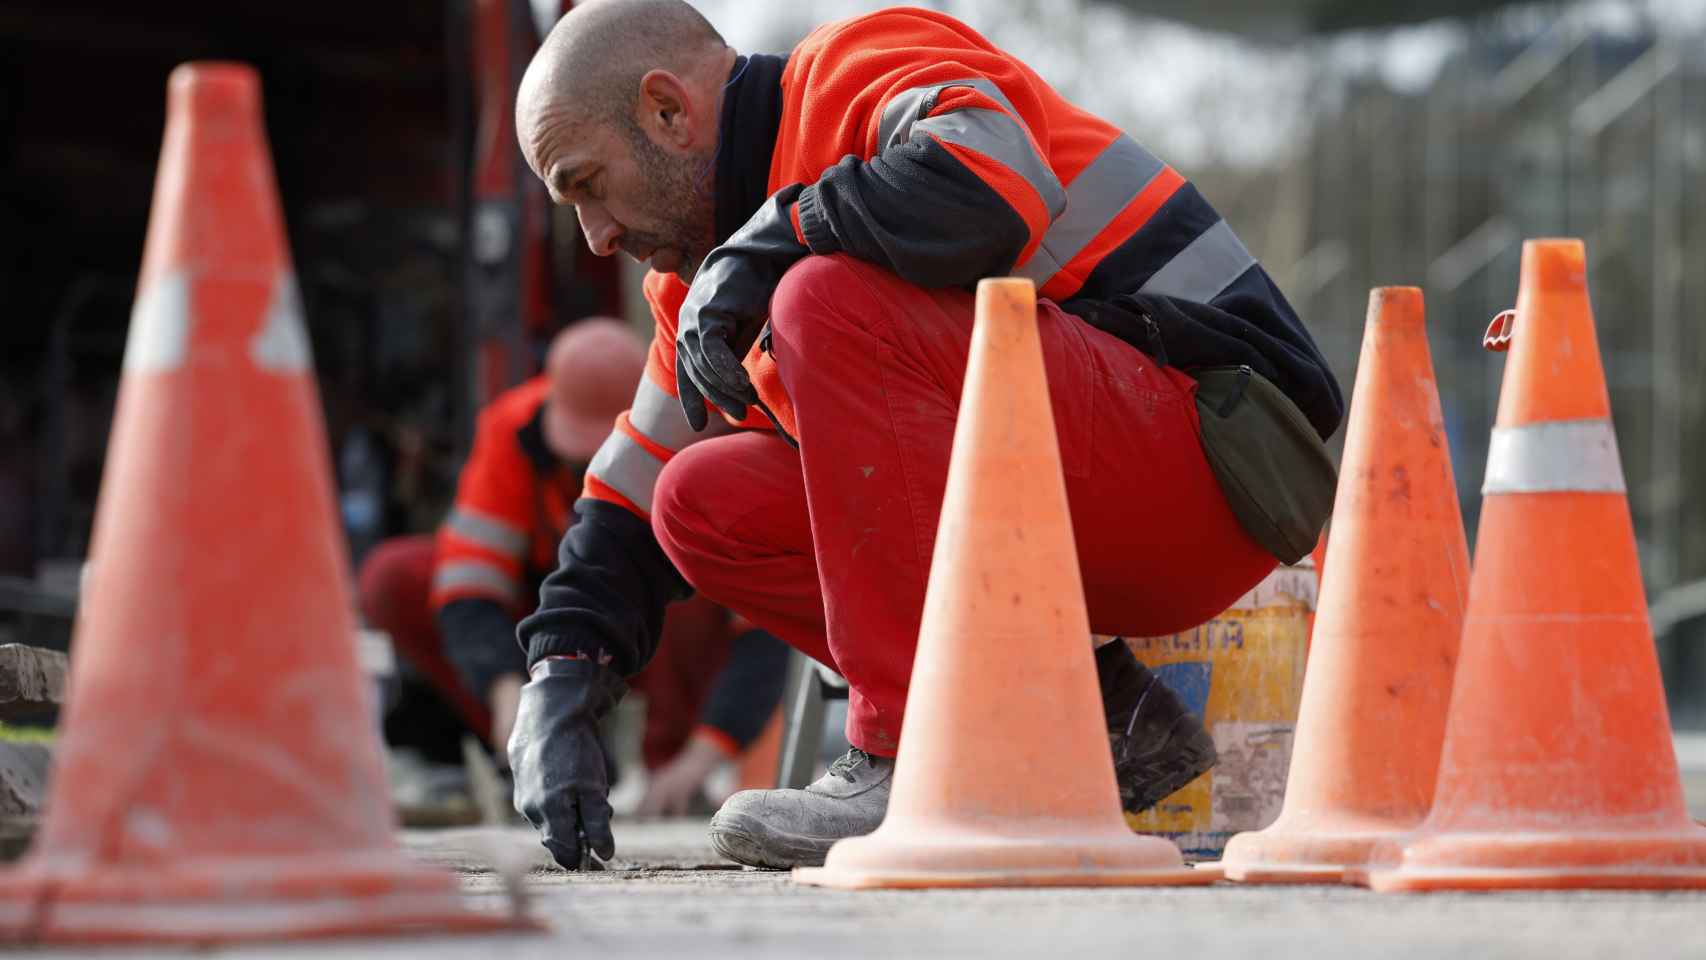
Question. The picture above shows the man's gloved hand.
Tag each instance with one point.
(726, 306)
(562, 785)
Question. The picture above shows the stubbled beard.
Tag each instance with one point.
(676, 199)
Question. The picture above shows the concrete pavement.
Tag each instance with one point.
(670, 896)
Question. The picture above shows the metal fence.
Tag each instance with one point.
(1571, 131)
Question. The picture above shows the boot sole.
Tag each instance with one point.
(747, 841)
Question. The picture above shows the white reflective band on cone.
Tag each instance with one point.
(159, 335)
(281, 345)
(1560, 456)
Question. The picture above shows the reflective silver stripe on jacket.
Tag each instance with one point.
(658, 416)
(1093, 199)
(488, 532)
(1118, 175)
(999, 136)
(458, 574)
(627, 468)
(910, 106)
(1560, 456)
(1204, 268)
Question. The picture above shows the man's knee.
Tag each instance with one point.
(686, 485)
(822, 297)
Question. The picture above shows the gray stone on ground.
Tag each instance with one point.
(32, 681)
(23, 785)
(23, 778)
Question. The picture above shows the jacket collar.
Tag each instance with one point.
(752, 114)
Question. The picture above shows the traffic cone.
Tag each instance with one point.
(1558, 768)
(1386, 631)
(217, 774)
(1030, 800)
(1319, 554)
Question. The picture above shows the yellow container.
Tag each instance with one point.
(1242, 672)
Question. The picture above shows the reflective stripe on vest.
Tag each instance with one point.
(658, 415)
(1560, 456)
(488, 532)
(1200, 271)
(1000, 136)
(909, 106)
(1087, 206)
(1093, 199)
(462, 574)
(627, 468)
(1119, 175)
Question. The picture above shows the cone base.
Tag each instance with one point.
(913, 857)
(1301, 856)
(853, 879)
(232, 899)
(1631, 860)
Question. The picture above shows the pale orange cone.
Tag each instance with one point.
(1387, 628)
(217, 774)
(1030, 800)
(1558, 767)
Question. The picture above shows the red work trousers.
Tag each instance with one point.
(829, 547)
(393, 587)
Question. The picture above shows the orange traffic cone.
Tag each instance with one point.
(1003, 650)
(217, 774)
(1387, 627)
(1558, 768)
(1319, 554)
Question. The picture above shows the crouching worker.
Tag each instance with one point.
(814, 225)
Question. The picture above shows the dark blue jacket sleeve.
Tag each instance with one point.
(607, 597)
(479, 641)
(917, 210)
(747, 690)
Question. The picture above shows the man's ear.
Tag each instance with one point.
(666, 109)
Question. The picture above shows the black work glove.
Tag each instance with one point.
(562, 785)
(726, 306)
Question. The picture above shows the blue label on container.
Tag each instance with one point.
(1190, 680)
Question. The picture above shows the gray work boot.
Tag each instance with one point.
(781, 829)
(1159, 746)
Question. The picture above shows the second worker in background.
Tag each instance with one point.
(451, 603)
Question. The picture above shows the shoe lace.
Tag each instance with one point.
(845, 764)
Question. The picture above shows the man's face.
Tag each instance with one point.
(631, 194)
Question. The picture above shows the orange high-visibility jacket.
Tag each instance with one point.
(927, 150)
(512, 506)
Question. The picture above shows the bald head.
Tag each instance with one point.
(619, 115)
(591, 63)
(592, 368)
